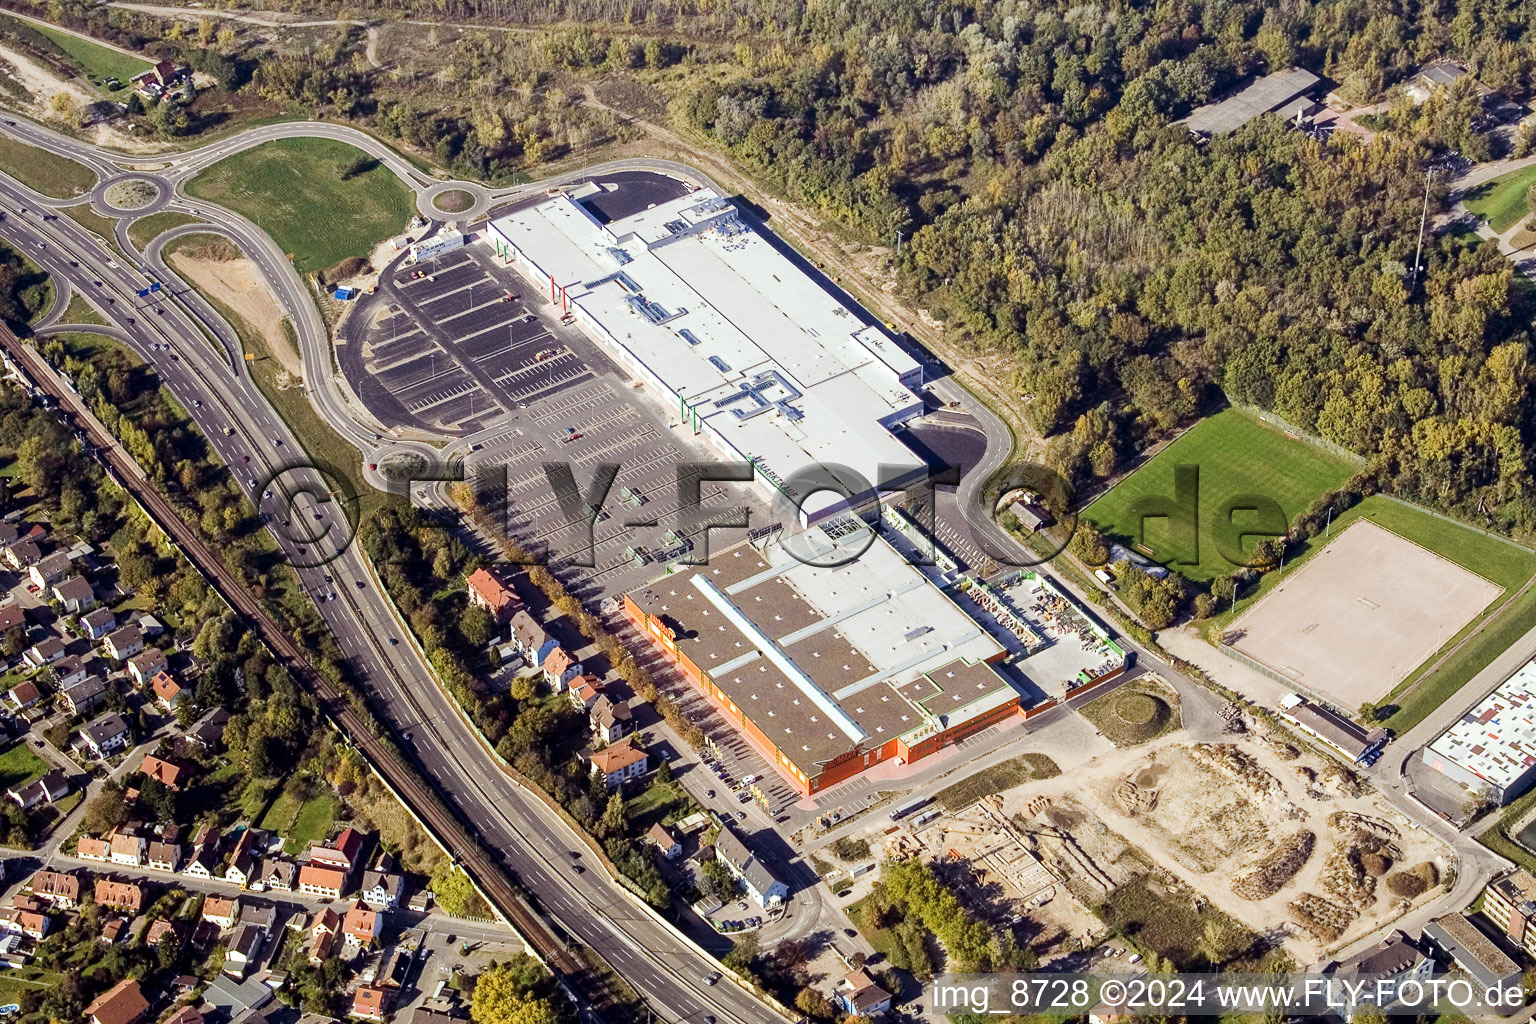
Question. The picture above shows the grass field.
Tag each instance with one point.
(1005, 775)
(80, 312)
(1235, 455)
(303, 192)
(1501, 202)
(44, 172)
(1134, 713)
(98, 62)
(300, 824)
(144, 230)
(91, 221)
(35, 288)
(19, 766)
(1507, 564)
(1154, 921)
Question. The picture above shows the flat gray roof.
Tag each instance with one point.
(1263, 96)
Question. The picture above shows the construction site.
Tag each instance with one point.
(1192, 850)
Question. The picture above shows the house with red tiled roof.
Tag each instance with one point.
(315, 880)
(59, 889)
(166, 689)
(89, 848)
(362, 925)
(372, 1002)
(341, 853)
(323, 929)
(32, 923)
(560, 668)
(619, 763)
(487, 590)
(223, 911)
(584, 691)
(168, 773)
(119, 895)
(123, 1003)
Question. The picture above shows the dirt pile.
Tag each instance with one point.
(1277, 867)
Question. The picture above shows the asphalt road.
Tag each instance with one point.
(591, 907)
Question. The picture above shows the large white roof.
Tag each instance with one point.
(783, 371)
(1496, 740)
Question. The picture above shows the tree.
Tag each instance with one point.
(503, 996)
(613, 815)
(107, 810)
(742, 955)
(477, 626)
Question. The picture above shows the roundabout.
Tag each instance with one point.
(453, 200)
(136, 194)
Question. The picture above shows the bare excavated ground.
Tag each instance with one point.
(236, 284)
(1274, 836)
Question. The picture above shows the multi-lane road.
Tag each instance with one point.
(532, 843)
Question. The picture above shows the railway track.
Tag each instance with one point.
(448, 828)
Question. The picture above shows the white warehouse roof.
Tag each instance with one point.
(1496, 740)
(690, 297)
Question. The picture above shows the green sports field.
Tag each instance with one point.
(1234, 454)
(1501, 202)
(321, 200)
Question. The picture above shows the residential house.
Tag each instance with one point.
(278, 875)
(323, 929)
(143, 666)
(163, 856)
(11, 616)
(488, 591)
(380, 889)
(223, 911)
(53, 786)
(185, 1015)
(112, 931)
(48, 570)
(316, 880)
(105, 736)
(123, 643)
(242, 862)
(158, 931)
(22, 553)
(123, 1003)
(341, 853)
(168, 773)
(166, 689)
(23, 695)
(1396, 957)
(584, 691)
(32, 923)
(759, 880)
(858, 994)
(85, 694)
(559, 668)
(74, 594)
(610, 720)
(67, 672)
(8, 534)
(244, 949)
(208, 734)
(124, 896)
(44, 652)
(530, 638)
(372, 1002)
(618, 763)
(205, 853)
(89, 848)
(361, 925)
(127, 850)
(58, 889)
(98, 623)
(665, 844)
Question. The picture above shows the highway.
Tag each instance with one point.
(530, 841)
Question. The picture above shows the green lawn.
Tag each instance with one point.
(19, 766)
(144, 230)
(80, 312)
(1501, 202)
(312, 824)
(91, 221)
(1013, 772)
(305, 194)
(97, 61)
(660, 803)
(1234, 455)
(1501, 561)
(51, 175)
